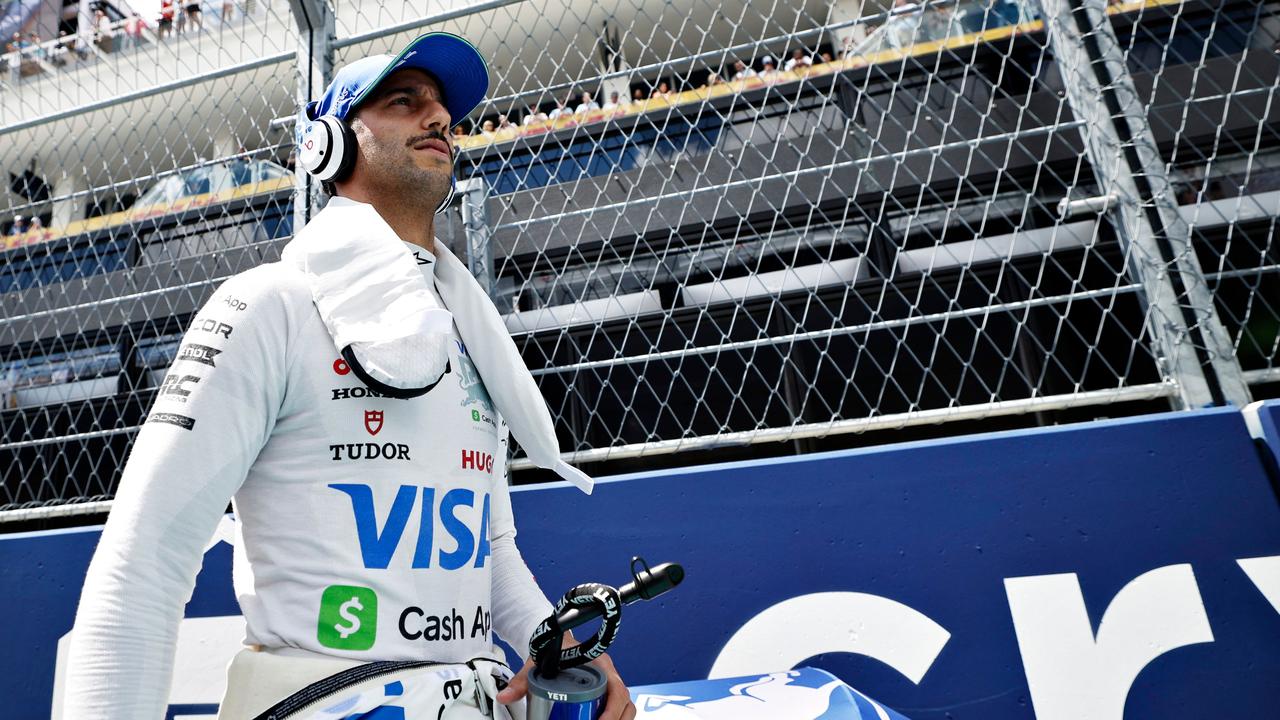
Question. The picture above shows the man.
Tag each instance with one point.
(769, 71)
(374, 521)
(798, 61)
(588, 104)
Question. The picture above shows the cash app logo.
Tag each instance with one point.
(348, 618)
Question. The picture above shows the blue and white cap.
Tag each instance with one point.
(450, 59)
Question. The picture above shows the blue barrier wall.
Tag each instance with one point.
(916, 539)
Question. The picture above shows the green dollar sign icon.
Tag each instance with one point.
(348, 618)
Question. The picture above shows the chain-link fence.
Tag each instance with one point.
(707, 224)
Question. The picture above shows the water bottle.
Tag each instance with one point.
(575, 693)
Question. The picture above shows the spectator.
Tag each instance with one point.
(61, 48)
(34, 50)
(504, 122)
(587, 105)
(902, 27)
(8, 385)
(559, 110)
(713, 80)
(164, 25)
(103, 32)
(849, 49)
(613, 103)
(459, 132)
(742, 71)
(799, 60)
(486, 128)
(769, 72)
(825, 57)
(36, 224)
(638, 95)
(194, 17)
(133, 27)
(534, 116)
(228, 9)
(19, 225)
(663, 91)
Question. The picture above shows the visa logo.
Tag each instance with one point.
(378, 541)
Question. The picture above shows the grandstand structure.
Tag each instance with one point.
(957, 215)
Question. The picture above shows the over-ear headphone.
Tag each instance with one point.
(327, 150)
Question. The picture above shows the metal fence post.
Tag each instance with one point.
(1192, 346)
(316, 35)
(475, 224)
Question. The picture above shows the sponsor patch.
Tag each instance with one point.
(212, 326)
(174, 386)
(477, 460)
(358, 392)
(373, 421)
(181, 421)
(202, 354)
(418, 624)
(369, 451)
(348, 617)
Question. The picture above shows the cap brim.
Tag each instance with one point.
(453, 62)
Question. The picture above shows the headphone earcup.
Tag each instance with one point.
(327, 148)
(346, 154)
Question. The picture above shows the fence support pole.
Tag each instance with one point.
(475, 225)
(1192, 346)
(316, 35)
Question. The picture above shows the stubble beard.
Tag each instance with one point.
(404, 180)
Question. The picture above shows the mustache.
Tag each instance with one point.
(433, 135)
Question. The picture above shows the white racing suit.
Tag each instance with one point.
(370, 528)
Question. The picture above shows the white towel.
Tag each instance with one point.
(372, 297)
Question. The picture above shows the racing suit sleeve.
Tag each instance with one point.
(213, 413)
(519, 605)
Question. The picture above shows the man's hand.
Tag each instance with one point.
(617, 701)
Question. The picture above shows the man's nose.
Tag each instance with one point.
(436, 116)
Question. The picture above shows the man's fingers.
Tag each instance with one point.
(517, 689)
(618, 705)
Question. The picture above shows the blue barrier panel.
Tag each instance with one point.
(936, 577)
(42, 573)
(938, 527)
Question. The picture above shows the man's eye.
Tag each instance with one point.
(402, 99)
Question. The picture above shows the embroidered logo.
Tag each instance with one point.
(471, 383)
(373, 421)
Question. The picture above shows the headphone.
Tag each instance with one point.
(327, 150)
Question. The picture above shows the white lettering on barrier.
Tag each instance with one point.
(1072, 674)
(1265, 574)
(783, 635)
